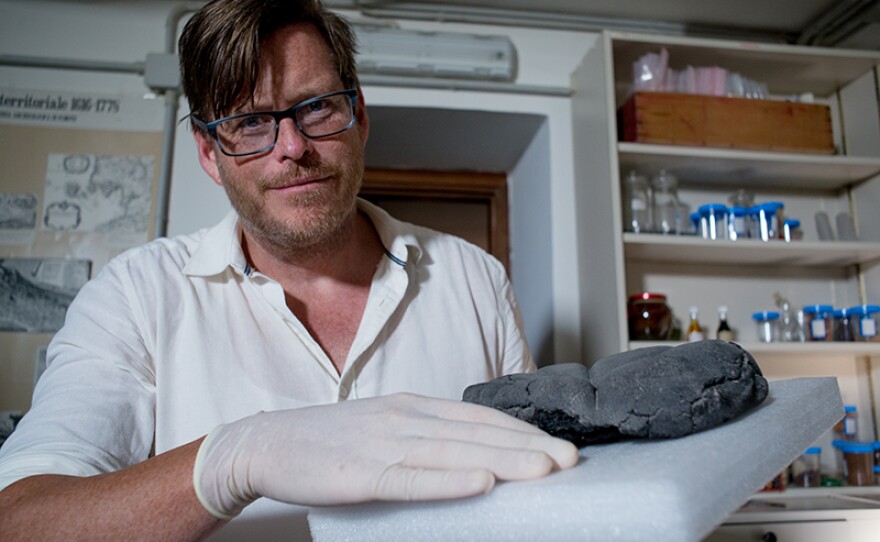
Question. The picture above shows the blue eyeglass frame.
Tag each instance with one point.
(289, 113)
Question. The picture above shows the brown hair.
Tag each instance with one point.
(220, 48)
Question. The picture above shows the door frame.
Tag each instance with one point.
(489, 188)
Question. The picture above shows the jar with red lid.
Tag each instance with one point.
(649, 317)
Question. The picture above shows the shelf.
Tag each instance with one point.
(737, 168)
(690, 249)
(786, 69)
(869, 492)
(739, 274)
(801, 349)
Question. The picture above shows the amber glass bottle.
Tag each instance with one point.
(695, 330)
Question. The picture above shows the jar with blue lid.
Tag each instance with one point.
(806, 469)
(843, 329)
(791, 230)
(767, 325)
(858, 462)
(695, 220)
(863, 321)
(713, 221)
(737, 223)
(819, 322)
(765, 220)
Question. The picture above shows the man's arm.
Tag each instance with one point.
(399, 447)
(152, 500)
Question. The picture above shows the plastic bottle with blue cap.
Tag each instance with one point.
(819, 322)
(847, 428)
(806, 468)
(767, 323)
(765, 220)
(791, 230)
(858, 462)
(713, 221)
(863, 320)
(843, 325)
(737, 223)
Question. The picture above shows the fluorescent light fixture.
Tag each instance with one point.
(393, 51)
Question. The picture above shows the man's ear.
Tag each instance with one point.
(207, 151)
(361, 116)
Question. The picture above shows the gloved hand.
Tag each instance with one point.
(398, 447)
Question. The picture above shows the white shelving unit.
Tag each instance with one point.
(801, 350)
(738, 169)
(689, 249)
(744, 274)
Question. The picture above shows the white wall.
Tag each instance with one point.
(127, 31)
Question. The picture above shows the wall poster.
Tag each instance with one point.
(77, 187)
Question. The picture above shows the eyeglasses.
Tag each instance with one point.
(253, 133)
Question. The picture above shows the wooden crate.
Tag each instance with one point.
(712, 121)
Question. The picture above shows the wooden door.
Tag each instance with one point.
(467, 204)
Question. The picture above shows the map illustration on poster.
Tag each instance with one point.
(36, 292)
(98, 193)
(80, 178)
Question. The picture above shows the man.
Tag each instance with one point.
(258, 331)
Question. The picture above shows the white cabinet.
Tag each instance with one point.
(804, 515)
(812, 531)
(742, 275)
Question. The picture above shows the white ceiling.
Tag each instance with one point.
(847, 23)
(832, 23)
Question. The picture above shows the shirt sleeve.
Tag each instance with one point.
(93, 407)
(517, 355)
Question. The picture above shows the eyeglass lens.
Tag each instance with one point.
(253, 133)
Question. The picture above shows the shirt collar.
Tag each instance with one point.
(401, 246)
(220, 246)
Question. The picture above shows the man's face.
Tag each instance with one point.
(302, 190)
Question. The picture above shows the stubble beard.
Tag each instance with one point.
(316, 219)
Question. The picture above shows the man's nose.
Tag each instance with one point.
(291, 141)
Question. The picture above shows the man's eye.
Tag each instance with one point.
(248, 123)
(316, 106)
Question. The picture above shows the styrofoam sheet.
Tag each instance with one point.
(671, 490)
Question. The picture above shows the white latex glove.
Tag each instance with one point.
(399, 447)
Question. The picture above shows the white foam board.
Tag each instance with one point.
(670, 490)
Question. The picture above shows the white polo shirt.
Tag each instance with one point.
(179, 335)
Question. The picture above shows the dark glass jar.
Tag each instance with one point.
(649, 317)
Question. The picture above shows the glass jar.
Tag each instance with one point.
(649, 317)
(843, 330)
(805, 470)
(859, 463)
(877, 453)
(819, 322)
(776, 218)
(737, 223)
(847, 428)
(713, 221)
(765, 221)
(741, 198)
(767, 325)
(791, 230)
(864, 322)
(695, 221)
(684, 211)
(666, 206)
(636, 204)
